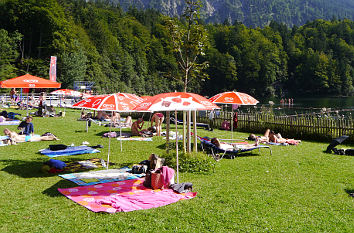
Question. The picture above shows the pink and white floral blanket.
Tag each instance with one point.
(122, 196)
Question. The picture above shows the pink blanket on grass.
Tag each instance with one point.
(122, 196)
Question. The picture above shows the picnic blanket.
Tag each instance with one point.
(277, 144)
(10, 123)
(114, 134)
(2, 139)
(122, 196)
(83, 165)
(70, 150)
(135, 139)
(99, 177)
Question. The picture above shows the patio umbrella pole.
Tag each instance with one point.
(195, 149)
(64, 103)
(27, 105)
(232, 123)
(109, 145)
(168, 117)
(176, 147)
(120, 135)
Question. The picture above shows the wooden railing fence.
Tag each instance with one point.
(310, 127)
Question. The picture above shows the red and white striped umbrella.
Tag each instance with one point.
(118, 102)
(67, 92)
(180, 101)
(233, 97)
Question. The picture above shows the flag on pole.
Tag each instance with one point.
(53, 69)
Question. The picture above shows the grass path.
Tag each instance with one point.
(297, 189)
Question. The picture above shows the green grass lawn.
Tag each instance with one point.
(297, 189)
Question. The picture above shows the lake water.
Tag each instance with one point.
(334, 105)
(334, 102)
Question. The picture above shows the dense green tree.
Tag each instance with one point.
(73, 67)
(189, 42)
(134, 51)
(9, 53)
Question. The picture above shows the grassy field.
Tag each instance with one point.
(297, 189)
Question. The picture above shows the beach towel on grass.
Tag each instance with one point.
(99, 177)
(122, 196)
(277, 144)
(70, 150)
(141, 139)
(10, 123)
(84, 165)
(2, 140)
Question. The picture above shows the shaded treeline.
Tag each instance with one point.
(132, 51)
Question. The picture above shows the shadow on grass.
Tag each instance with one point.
(350, 192)
(53, 190)
(242, 154)
(172, 146)
(25, 169)
(32, 169)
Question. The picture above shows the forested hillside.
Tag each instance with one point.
(253, 12)
(133, 52)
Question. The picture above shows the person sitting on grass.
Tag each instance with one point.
(115, 119)
(128, 122)
(16, 138)
(26, 127)
(137, 128)
(85, 116)
(101, 116)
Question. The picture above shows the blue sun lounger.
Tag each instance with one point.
(218, 153)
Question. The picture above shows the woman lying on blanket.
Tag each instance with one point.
(229, 147)
(270, 136)
(16, 138)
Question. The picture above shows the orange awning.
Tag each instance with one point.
(29, 81)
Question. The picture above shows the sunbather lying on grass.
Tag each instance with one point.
(16, 138)
(270, 136)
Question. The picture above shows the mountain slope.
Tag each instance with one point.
(254, 12)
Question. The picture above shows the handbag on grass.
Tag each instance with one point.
(156, 180)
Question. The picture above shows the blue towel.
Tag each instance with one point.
(57, 163)
(71, 150)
